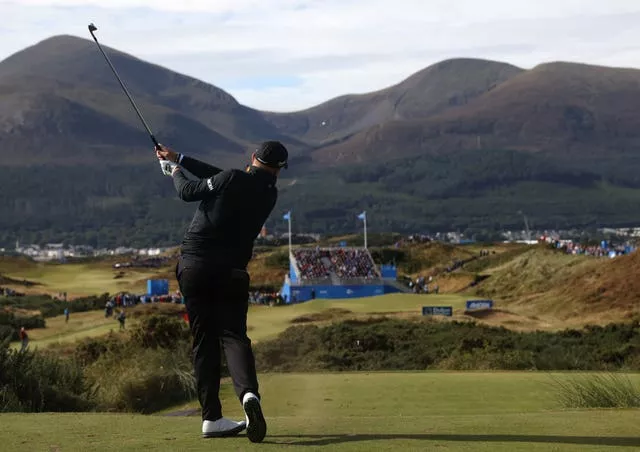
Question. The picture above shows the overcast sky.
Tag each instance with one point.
(285, 55)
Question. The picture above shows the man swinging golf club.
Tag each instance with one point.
(211, 272)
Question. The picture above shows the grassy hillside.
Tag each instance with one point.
(555, 286)
(353, 412)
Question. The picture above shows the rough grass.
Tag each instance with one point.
(566, 289)
(474, 411)
(611, 390)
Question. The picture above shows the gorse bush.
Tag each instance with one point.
(597, 391)
(89, 350)
(10, 323)
(145, 371)
(390, 344)
(37, 382)
(51, 307)
(144, 380)
(160, 331)
(149, 370)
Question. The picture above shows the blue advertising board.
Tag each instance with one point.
(479, 304)
(389, 271)
(157, 286)
(437, 310)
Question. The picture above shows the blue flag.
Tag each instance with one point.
(362, 216)
(287, 216)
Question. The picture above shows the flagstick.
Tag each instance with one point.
(289, 233)
(365, 231)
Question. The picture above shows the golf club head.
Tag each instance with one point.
(92, 28)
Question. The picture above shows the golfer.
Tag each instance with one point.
(212, 275)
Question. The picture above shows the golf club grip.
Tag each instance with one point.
(155, 142)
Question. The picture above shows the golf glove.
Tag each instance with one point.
(167, 167)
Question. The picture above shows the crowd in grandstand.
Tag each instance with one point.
(603, 250)
(344, 263)
(353, 263)
(310, 263)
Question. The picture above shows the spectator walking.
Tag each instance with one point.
(121, 318)
(24, 338)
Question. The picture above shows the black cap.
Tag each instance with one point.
(273, 154)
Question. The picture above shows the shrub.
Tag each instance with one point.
(38, 382)
(90, 350)
(159, 331)
(51, 307)
(391, 344)
(10, 324)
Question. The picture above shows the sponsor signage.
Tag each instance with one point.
(437, 310)
(479, 304)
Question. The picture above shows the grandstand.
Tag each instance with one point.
(336, 273)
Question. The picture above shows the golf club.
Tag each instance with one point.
(93, 28)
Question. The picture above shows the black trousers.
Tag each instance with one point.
(217, 302)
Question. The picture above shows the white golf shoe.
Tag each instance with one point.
(256, 424)
(221, 428)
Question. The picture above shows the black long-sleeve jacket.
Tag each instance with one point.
(234, 206)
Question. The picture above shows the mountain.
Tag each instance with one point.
(561, 109)
(61, 92)
(464, 144)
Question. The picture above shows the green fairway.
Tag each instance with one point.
(81, 325)
(265, 322)
(474, 411)
(81, 279)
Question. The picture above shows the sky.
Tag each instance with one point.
(288, 55)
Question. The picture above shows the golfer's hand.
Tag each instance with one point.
(175, 170)
(168, 167)
(164, 153)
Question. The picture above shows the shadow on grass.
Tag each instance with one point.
(326, 440)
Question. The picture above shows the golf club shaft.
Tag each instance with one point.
(124, 88)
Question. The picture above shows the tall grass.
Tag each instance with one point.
(145, 381)
(610, 390)
(147, 372)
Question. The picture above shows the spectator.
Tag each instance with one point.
(24, 338)
(121, 318)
